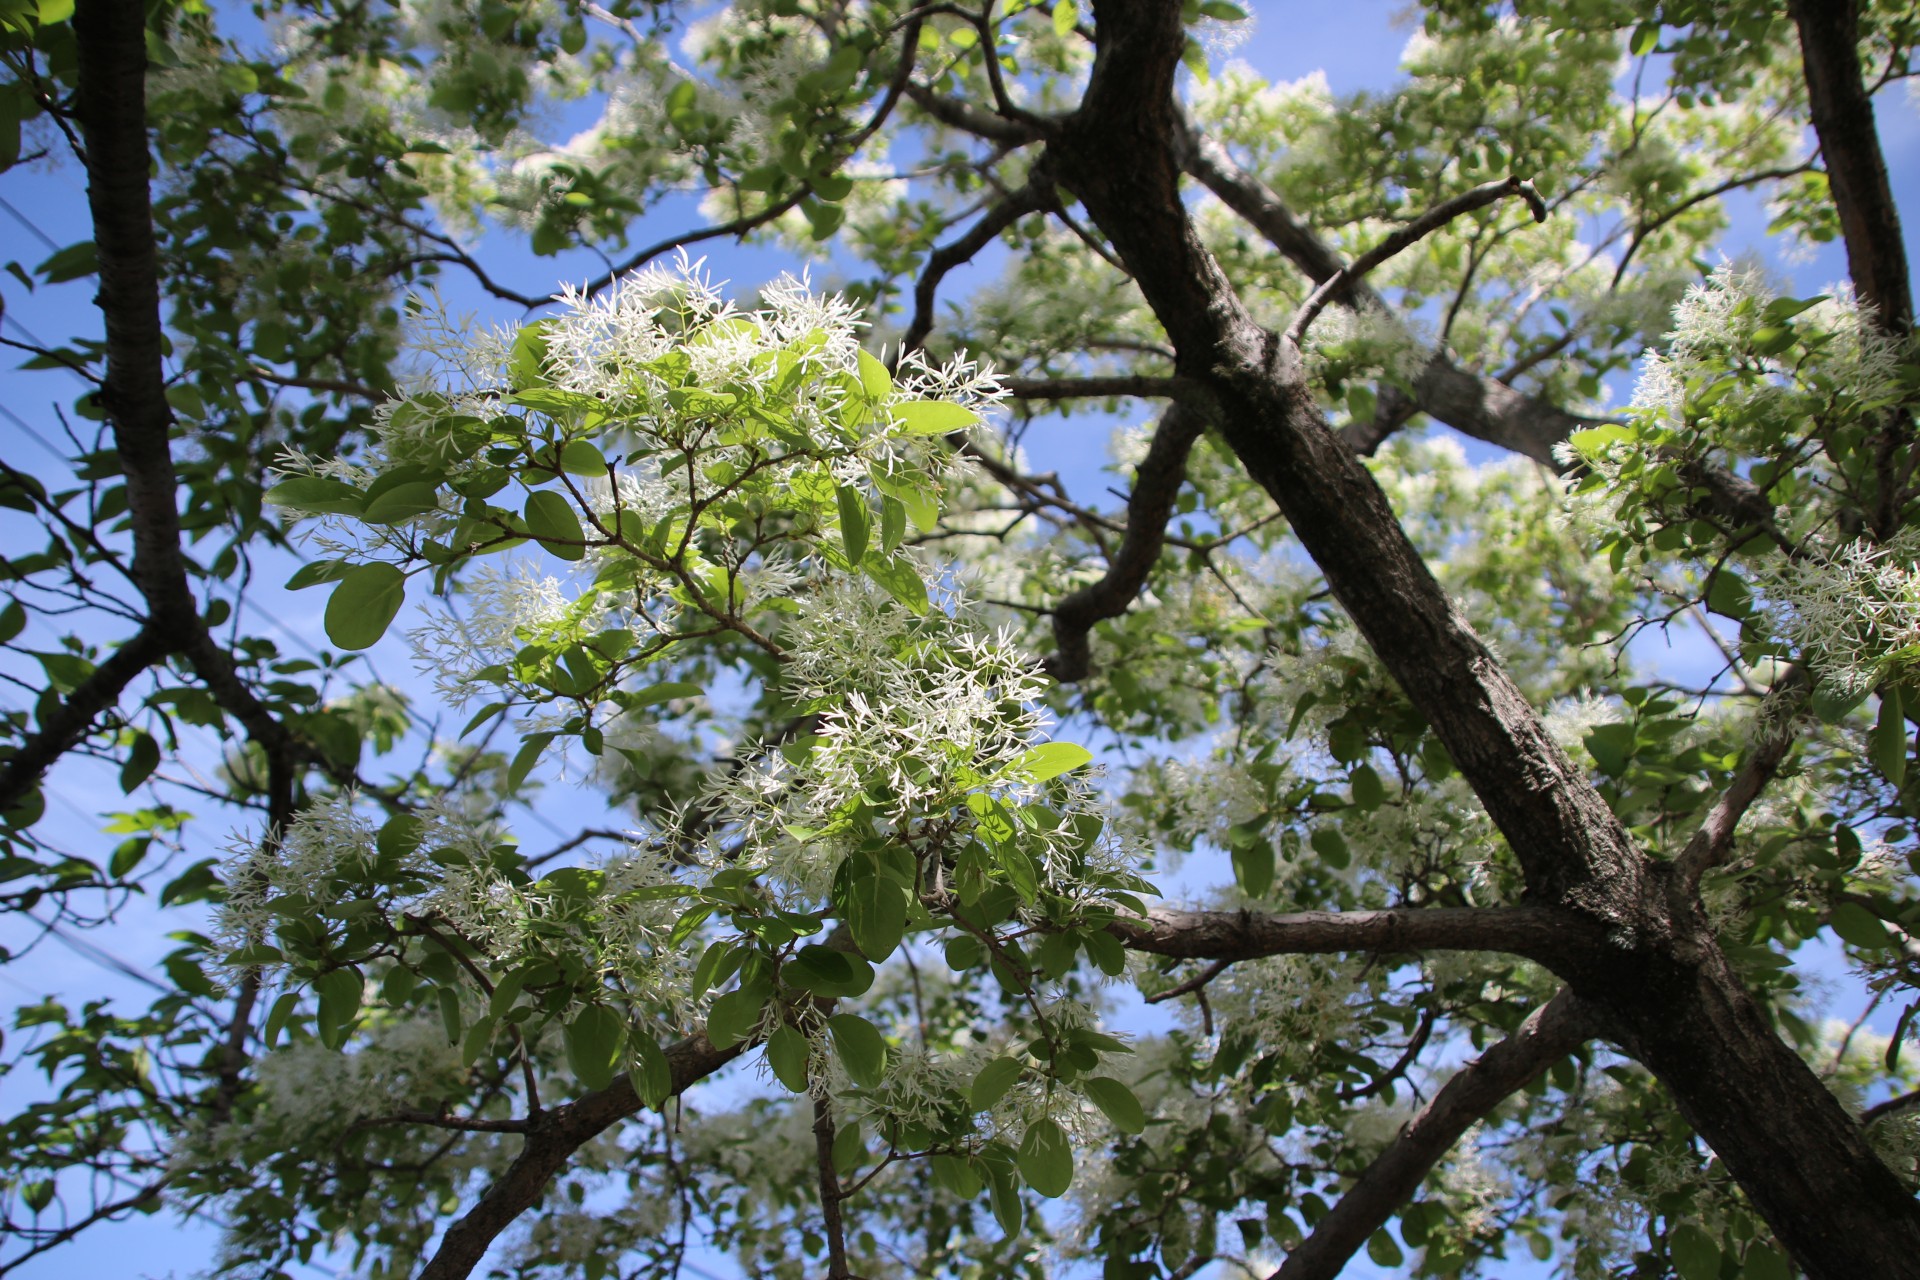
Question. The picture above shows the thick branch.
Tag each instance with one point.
(1856, 169)
(968, 118)
(1551, 937)
(1572, 849)
(1143, 385)
(552, 1138)
(1156, 484)
(1549, 1033)
(111, 39)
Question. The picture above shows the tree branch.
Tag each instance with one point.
(74, 719)
(1550, 1032)
(1710, 842)
(1408, 236)
(552, 1138)
(1144, 386)
(1156, 484)
(1554, 938)
(1484, 408)
(1036, 194)
(1856, 169)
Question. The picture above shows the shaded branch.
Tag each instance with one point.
(1156, 484)
(1708, 845)
(1549, 1033)
(70, 723)
(1842, 114)
(1408, 236)
(1144, 386)
(1036, 194)
(552, 1138)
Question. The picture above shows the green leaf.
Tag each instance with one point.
(993, 1083)
(1369, 793)
(475, 1043)
(1117, 1103)
(319, 495)
(277, 1018)
(856, 522)
(594, 1036)
(1887, 740)
(1046, 1159)
(1860, 927)
(1065, 14)
(450, 1014)
(365, 604)
(1696, 1255)
(143, 757)
(1051, 759)
(787, 1052)
(735, 1016)
(932, 417)
(1646, 37)
(1771, 340)
(826, 971)
(551, 519)
(581, 458)
(653, 695)
(76, 260)
(1331, 845)
(402, 502)
(1253, 868)
(1384, 1249)
(340, 992)
(1004, 1195)
(862, 1050)
(1221, 11)
(1610, 745)
(1764, 1262)
(901, 580)
(875, 381)
(1729, 596)
(876, 912)
(530, 354)
(525, 759)
(651, 1073)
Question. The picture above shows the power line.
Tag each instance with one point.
(27, 222)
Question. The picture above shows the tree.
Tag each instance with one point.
(1497, 940)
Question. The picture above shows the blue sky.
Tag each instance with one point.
(1357, 44)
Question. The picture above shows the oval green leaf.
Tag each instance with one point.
(862, 1049)
(1051, 759)
(787, 1055)
(1117, 1103)
(551, 519)
(992, 1084)
(593, 1038)
(364, 605)
(932, 417)
(1046, 1159)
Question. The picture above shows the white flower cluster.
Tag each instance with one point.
(1851, 609)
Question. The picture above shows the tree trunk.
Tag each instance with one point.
(1672, 999)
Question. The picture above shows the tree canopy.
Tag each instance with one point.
(1278, 857)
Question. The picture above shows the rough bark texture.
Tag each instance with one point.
(1661, 985)
(1856, 170)
(1551, 937)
